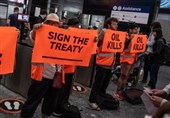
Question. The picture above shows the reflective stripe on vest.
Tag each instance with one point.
(105, 55)
(127, 56)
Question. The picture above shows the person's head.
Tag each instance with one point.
(133, 28)
(52, 19)
(157, 33)
(16, 9)
(155, 25)
(163, 111)
(73, 22)
(111, 23)
(43, 13)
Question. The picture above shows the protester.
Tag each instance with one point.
(41, 87)
(69, 73)
(127, 59)
(104, 63)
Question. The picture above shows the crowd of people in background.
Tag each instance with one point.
(56, 98)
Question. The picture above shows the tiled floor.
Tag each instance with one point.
(126, 110)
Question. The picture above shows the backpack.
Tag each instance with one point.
(133, 95)
(166, 53)
(106, 101)
(70, 111)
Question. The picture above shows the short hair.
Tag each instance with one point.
(73, 22)
(43, 12)
(156, 25)
(132, 25)
(16, 9)
(110, 20)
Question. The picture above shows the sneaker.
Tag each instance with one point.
(119, 95)
(57, 114)
(94, 106)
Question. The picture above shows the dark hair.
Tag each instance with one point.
(110, 20)
(73, 21)
(132, 25)
(43, 12)
(158, 33)
(16, 9)
(164, 109)
(156, 25)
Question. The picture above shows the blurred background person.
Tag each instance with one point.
(13, 19)
(41, 17)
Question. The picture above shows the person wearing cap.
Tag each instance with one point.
(42, 76)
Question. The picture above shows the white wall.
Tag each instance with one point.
(164, 19)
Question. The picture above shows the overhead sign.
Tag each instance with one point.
(11, 105)
(62, 46)
(138, 44)
(137, 14)
(113, 41)
(8, 40)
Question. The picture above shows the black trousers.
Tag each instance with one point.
(65, 91)
(147, 66)
(101, 82)
(154, 75)
(37, 91)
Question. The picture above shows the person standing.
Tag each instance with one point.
(157, 58)
(69, 71)
(13, 19)
(42, 80)
(104, 63)
(149, 51)
(127, 60)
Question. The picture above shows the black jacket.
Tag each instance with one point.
(157, 56)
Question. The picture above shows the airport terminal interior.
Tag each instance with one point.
(84, 58)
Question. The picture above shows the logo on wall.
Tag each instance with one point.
(11, 105)
(119, 8)
(78, 88)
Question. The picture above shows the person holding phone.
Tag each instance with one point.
(158, 97)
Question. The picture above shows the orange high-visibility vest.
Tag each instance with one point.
(69, 69)
(37, 71)
(127, 57)
(105, 59)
